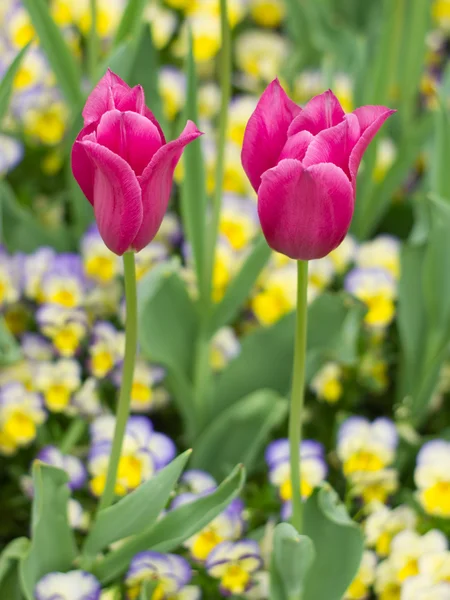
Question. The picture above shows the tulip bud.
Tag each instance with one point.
(123, 164)
(303, 165)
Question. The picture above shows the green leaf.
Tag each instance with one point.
(338, 543)
(58, 53)
(147, 589)
(174, 528)
(238, 290)
(9, 349)
(439, 171)
(292, 557)
(251, 420)
(136, 511)
(22, 232)
(265, 360)
(193, 187)
(52, 545)
(144, 72)
(167, 318)
(13, 552)
(131, 21)
(8, 80)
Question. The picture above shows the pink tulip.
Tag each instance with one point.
(123, 164)
(303, 165)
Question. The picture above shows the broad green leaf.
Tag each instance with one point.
(22, 232)
(7, 81)
(144, 72)
(131, 21)
(239, 289)
(58, 53)
(52, 545)
(167, 319)
(9, 349)
(439, 171)
(193, 186)
(172, 530)
(136, 511)
(10, 585)
(13, 552)
(251, 420)
(338, 543)
(265, 360)
(292, 557)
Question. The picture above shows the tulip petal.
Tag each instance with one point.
(131, 136)
(156, 184)
(266, 132)
(297, 145)
(370, 118)
(334, 145)
(134, 100)
(305, 213)
(82, 167)
(321, 112)
(118, 198)
(104, 96)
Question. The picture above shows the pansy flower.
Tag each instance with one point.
(234, 564)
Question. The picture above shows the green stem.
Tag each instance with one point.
(92, 51)
(202, 370)
(73, 434)
(298, 393)
(225, 86)
(123, 407)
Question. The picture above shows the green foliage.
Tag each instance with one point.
(9, 348)
(173, 529)
(52, 545)
(251, 420)
(59, 56)
(6, 83)
(292, 558)
(239, 289)
(338, 543)
(130, 23)
(424, 313)
(22, 232)
(193, 187)
(137, 511)
(265, 360)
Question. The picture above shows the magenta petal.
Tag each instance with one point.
(118, 198)
(82, 167)
(334, 145)
(305, 213)
(134, 100)
(266, 132)
(321, 112)
(104, 96)
(156, 183)
(297, 145)
(370, 118)
(131, 136)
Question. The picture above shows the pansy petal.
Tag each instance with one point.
(277, 450)
(334, 145)
(118, 198)
(305, 213)
(131, 136)
(104, 97)
(370, 118)
(156, 183)
(245, 548)
(162, 449)
(266, 132)
(321, 112)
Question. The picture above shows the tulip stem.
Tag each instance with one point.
(123, 406)
(298, 393)
(72, 435)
